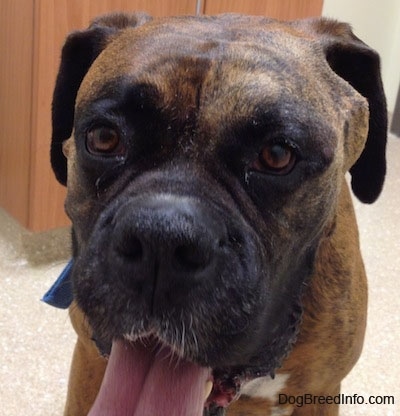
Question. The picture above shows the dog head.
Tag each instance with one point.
(204, 168)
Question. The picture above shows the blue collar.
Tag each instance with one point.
(60, 294)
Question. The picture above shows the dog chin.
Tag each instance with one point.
(147, 375)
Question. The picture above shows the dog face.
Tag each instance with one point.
(204, 169)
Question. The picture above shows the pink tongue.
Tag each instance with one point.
(143, 381)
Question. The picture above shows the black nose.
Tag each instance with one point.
(165, 246)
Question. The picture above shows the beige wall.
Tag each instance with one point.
(377, 23)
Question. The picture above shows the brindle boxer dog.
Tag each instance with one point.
(215, 248)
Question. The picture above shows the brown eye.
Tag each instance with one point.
(277, 159)
(103, 140)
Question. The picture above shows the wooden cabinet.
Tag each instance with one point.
(278, 9)
(31, 36)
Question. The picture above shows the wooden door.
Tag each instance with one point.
(16, 44)
(278, 9)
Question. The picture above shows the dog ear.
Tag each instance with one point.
(359, 65)
(79, 52)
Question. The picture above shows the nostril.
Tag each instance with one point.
(131, 247)
(191, 257)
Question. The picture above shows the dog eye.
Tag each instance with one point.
(104, 140)
(276, 159)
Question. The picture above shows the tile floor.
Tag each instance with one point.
(36, 340)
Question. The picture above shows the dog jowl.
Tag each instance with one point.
(216, 260)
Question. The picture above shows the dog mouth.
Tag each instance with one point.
(147, 377)
(183, 331)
